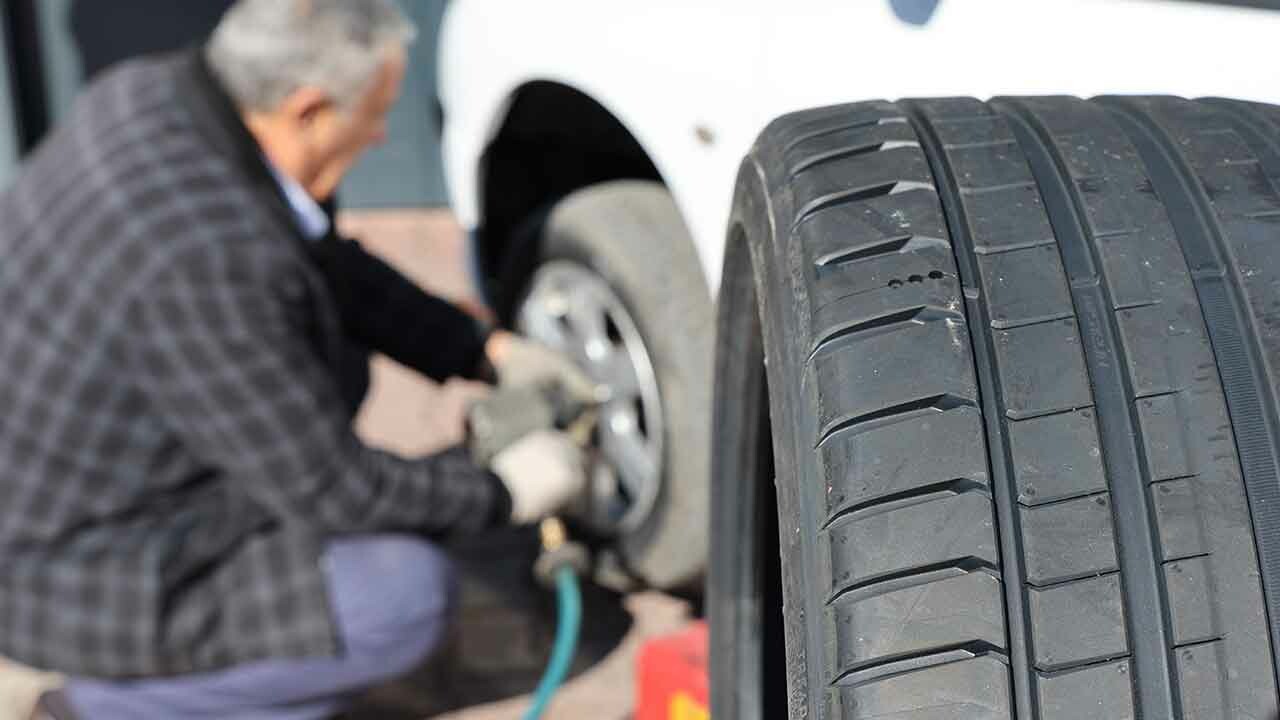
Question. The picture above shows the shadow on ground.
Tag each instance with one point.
(503, 636)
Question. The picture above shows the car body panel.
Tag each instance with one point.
(695, 82)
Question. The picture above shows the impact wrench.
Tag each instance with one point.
(497, 421)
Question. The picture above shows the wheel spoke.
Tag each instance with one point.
(623, 445)
(618, 372)
(572, 309)
(586, 318)
(538, 321)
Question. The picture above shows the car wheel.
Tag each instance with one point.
(617, 285)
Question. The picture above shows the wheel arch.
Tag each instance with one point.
(552, 140)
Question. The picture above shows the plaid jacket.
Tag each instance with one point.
(174, 442)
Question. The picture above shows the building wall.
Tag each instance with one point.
(405, 172)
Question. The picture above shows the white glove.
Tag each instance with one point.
(543, 472)
(526, 362)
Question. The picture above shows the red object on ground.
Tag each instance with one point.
(671, 676)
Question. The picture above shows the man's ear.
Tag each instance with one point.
(305, 104)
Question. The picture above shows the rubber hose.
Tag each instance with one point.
(569, 599)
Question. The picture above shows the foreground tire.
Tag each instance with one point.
(1022, 363)
(617, 284)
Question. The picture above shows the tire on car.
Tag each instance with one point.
(996, 427)
(616, 282)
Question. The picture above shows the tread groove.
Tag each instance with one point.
(1137, 305)
(1010, 247)
(894, 414)
(881, 324)
(855, 195)
(1023, 415)
(902, 498)
(1184, 558)
(887, 246)
(893, 665)
(888, 582)
(1004, 492)
(1251, 401)
(848, 152)
(1064, 500)
(1072, 579)
(1029, 322)
(1158, 394)
(988, 189)
(1147, 616)
(1067, 668)
(880, 247)
(977, 145)
(805, 137)
(1200, 641)
(1108, 234)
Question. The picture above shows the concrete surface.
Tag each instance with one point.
(505, 624)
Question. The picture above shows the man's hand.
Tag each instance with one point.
(521, 362)
(543, 472)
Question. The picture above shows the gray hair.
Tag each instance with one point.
(264, 50)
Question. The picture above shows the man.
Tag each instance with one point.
(190, 528)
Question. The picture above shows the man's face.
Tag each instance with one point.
(334, 138)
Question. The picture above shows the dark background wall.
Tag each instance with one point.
(51, 46)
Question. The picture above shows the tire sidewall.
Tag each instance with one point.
(630, 234)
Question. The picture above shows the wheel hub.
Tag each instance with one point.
(572, 309)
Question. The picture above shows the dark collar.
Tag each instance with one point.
(218, 120)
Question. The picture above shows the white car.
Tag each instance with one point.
(985, 409)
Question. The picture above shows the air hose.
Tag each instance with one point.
(559, 564)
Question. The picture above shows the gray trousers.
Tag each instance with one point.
(391, 597)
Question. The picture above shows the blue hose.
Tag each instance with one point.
(569, 599)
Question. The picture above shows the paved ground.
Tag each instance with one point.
(504, 633)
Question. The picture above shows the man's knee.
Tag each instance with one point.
(392, 596)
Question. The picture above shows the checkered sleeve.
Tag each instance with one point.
(221, 346)
(388, 313)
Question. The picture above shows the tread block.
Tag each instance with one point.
(935, 531)
(955, 109)
(1097, 692)
(1161, 347)
(844, 142)
(1108, 212)
(860, 467)
(1068, 540)
(861, 230)
(1164, 430)
(794, 128)
(855, 376)
(1178, 512)
(1042, 369)
(845, 234)
(880, 174)
(919, 300)
(973, 689)
(981, 167)
(1132, 273)
(989, 130)
(948, 612)
(1191, 594)
(1025, 286)
(1056, 457)
(1078, 622)
(1010, 219)
(1204, 672)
